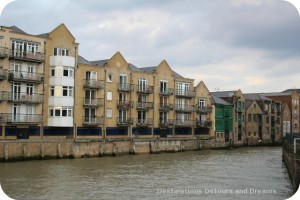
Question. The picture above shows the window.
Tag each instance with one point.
(61, 52)
(142, 84)
(254, 117)
(52, 71)
(267, 119)
(57, 112)
(109, 113)
(249, 134)
(202, 103)
(163, 87)
(109, 96)
(51, 112)
(254, 134)
(68, 72)
(249, 118)
(110, 78)
(67, 91)
(66, 111)
(52, 91)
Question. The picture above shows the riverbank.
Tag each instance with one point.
(20, 150)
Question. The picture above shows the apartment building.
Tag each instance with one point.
(22, 64)
(237, 99)
(37, 82)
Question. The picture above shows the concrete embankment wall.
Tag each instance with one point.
(13, 150)
(292, 162)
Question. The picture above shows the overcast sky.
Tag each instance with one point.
(252, 45)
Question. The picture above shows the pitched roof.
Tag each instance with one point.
(17, 30)
(291, 90)
(218, 100)
(82, 60)
(99, 62)
(224, 94)
(274, 94)
(134, 68)
(256, 96)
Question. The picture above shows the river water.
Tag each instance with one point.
(244, 173)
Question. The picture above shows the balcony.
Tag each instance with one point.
(184, 123)
(92, 121)
(124, 87)
(145, 89)
(3, 96)
(93, 84)
(144, 105)
(166, 123)
(25, 98)
(185, 93)
(184, 108)
(166, 92)
(204, 109)
(124, 121)
(93, 102)
(3, 52)
(27, 77)
(144, 122)
(124, 105)
(239, 109)
(3, 74)
(21, 55)
(3, 117)
(13, 118)
(165, 107)
(204, 124)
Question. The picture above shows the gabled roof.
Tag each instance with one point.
(17, 30)
(99, 62)
(276, 94)
(218, 100)
(82, 60)
(134, 68)
(224, 94)
(291, 90)
(248, 103)
(257, 97)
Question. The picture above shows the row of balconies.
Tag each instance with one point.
(22, 55)
(12, 118)
(21, 97)
(21, 76)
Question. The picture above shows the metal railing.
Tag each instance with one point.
(144, 105)
(184, 123)
(15, 118)
(166, 123)
(125, 87)
(184, 108)
(144, 122)
(3, 96)
(166, 92)
(92, 120)
(23, 76)
(25, 98)
(93, 102)
(145, 89)
(124, 121)
(27, 56)
(91, 83)
(125, 104)
(205, 123)
(165, 106)
(185, 93)
(204, 109)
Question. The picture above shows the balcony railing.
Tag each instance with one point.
(25, 98)
(204, 109)
(15, 118)
(124, 105)
(166, 123)
(91, 83)
(144, 105)
(22, 76)
(3, 117)
(92, 121)
(3, 96)
(166, 92)
(124, 121)
(145, 89)
(185, 93)
(3, 74)
(184, 108)
(184, 123)
(93, 102)
(27, 56)
(165, 106)
(205, 123)
(3, 52)
(144, 122)
(124, 87)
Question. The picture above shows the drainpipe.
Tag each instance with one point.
(74, 97)
(104, 112)
(152, 131)
(43, 93)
